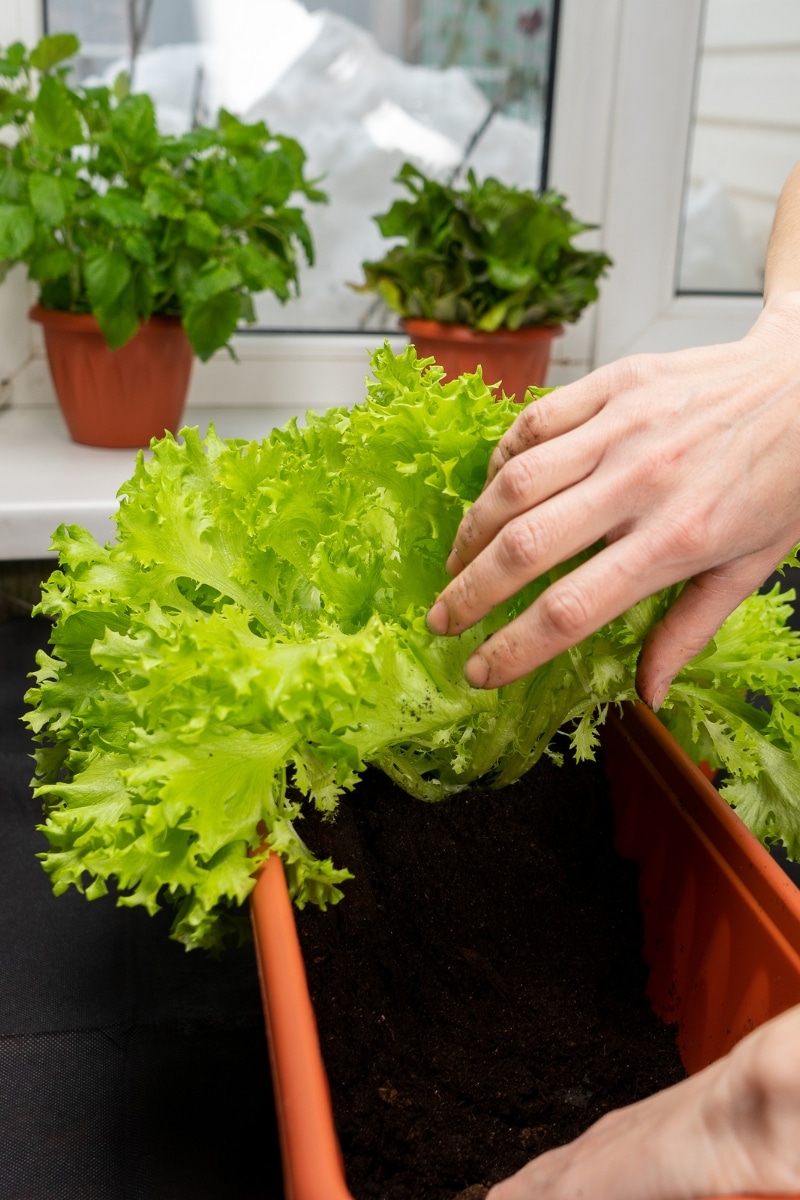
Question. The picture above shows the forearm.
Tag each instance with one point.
(782, 273)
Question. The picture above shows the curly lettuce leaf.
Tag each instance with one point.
(255, 638)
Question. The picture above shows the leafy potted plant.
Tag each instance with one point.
(484, 274)
(255, 640)
(146, 248)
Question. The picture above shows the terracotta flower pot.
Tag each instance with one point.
(117, 398)
(515, 358)
(721, 922)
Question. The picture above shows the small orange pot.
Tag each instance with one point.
(514, 358)
(117, 398)
(721, 924)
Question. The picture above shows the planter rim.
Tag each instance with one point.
(758, 875)
(464, 333)
(86, 322)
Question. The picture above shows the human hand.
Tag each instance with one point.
(728, 1130)
(683, 464)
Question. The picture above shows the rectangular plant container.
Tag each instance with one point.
(721, 936)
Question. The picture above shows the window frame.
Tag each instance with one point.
(618, 147)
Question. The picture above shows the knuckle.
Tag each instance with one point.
(532, 424)
(566, 610)
(498, 458)
(519, 546)
(528, 430)
(514, 481)
(634, 372)
(507, 655)
(687, 538)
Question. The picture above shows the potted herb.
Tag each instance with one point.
(146, 248)
(255, 640)
(484, 274)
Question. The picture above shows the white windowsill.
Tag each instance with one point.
(46, 479)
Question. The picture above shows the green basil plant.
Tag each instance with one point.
(112, 217)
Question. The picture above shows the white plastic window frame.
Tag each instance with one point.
(624, 91)
(619, 143)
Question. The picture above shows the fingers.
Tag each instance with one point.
(693, 619)
(543, 420)
(523, 549)
(525, 482)
(571, 609)
(552, 445)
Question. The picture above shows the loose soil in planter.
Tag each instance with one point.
(480, 990)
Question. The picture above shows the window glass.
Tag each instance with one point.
(745, 140)
(364, 85)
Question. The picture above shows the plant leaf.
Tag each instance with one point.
(52, 264)
(162, 199)
(120, 320)
(47, 197)
(133, 122)
(108, 273)
(52, 49)
(211, 322)
(17, 230)
(121, 210)
(56, 118)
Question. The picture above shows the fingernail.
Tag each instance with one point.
(476, 671)
(454, 563)
(438, 618)
(659, 694)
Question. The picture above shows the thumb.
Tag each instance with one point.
(691, 622)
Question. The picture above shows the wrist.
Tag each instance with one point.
(781, 308)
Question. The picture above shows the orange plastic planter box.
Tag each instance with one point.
(721, 922)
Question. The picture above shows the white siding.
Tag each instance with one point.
(747, 124)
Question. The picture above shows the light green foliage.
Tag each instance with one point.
(260, 621)
(114, 218)
(484, 255)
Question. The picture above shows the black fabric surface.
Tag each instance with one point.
(129, 1069)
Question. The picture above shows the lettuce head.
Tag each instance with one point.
(255, 637)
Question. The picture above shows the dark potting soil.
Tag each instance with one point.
(480, 990)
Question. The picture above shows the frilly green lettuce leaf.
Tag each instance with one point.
(255, 638)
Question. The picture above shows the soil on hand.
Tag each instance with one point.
(480, 990)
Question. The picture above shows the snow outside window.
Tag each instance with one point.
(364, 85)
(745, 141)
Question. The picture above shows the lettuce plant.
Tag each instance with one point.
(255, 637)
